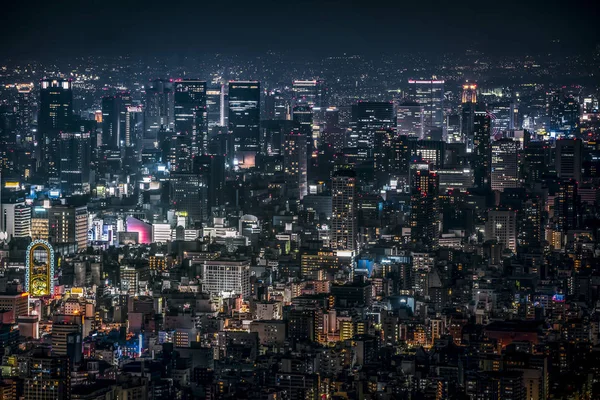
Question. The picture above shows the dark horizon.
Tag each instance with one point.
(39, 29)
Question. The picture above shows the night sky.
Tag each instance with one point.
(41, 28)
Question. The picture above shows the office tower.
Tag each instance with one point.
(502, 116)
(226, 278)
(303, 120)
(430, 95)
(469, 93)
(536, 159)
(504, 167)
(566, 206)
(409, 115)
(274, 132)
(344, 217)
(39, 269)
(55, 116)
(367, 118)
(501, 226)
(568, 159)
(453, 129)
(431, 151)
(8, 141)
(530, 222)
(295, 165)
(310, 92)
(333, 135)
(481, 149)
(75, 159)
(215, 106)
(212, 171)
(115, 113)
(177, 151)
(159, 111)
(47, 378)
(563, 111)
(424, 214)
(467, 124)
(277, 106)
(244, 115)
(188, 196)
(25, 105)
(15, 219)
(62, 328)
(68, 225)
(191, 117)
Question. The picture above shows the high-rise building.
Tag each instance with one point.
(568, 160)
(15, 219)
(536, 160)
(191, 115)
(25, 106)
(115, 117)
(504, 166)
(481, 149)
(295, 165)
(502, 115)
(48, 378)
(215, 106)
(277, 106)
(244, 115)
(409, 115)
(75, 159)
(55, 116)
(212, 172)
(344, 214)
(566, 206)
(430, 95)
(469, 93)
(177, 151)
(226, 278)
(158, 114)
(310, 92)
(367, 118)
(68, 225)
(61, 329)
(188, 196)
(424, 214)
(501, 226)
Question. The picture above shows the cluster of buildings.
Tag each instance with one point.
(227, 240)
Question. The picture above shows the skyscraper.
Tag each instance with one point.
(310, 92)
(469, 93)
(424, 214)
(566, 206)
(159, 111)
(502, 227)
(75, 161)
(55, 115)
(244, 115)
(48, 378)
(215, 106)
(344, 216)
(568, 160)
(114, 119)
(367, 118)
(504, 167)
(188, 196)
(191, 118)
(429, 94)
(295, 165)
(409, 115)
(481, 149)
